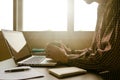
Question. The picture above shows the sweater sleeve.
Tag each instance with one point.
(87, 60)
(107, 57)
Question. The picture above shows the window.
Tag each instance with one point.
(45, 15)
(85, 16)
(52, 15)
(6, 14)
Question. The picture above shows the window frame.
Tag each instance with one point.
(18, 16)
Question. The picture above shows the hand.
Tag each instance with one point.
(61, 45)
(57, 53)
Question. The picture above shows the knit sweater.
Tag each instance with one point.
(104, 54)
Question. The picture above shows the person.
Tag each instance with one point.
(104, 53)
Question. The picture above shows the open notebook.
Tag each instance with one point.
(21, 52)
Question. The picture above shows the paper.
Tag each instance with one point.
(8, 63)
(15, 39)
(29, 74)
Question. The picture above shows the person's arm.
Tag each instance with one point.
(86, 60)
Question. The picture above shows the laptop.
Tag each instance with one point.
(6, 60)
(21, 52)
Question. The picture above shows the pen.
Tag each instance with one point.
(17, 70)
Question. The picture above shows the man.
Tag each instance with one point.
(104, 54)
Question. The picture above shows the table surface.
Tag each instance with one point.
(44, 71)
(48, 76)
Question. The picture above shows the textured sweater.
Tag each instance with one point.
(104, 54)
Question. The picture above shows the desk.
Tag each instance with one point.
(87, 76)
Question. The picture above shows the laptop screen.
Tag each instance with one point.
(6, 60)
(17, 44)
(4, 50)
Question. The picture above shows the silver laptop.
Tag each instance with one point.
(21, 52)
(6, 60)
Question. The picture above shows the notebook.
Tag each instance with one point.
(21, 52)
(21, 75)
(66, 71)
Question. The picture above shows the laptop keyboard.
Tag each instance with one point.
(34, 60)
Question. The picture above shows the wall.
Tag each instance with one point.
(76, 40)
